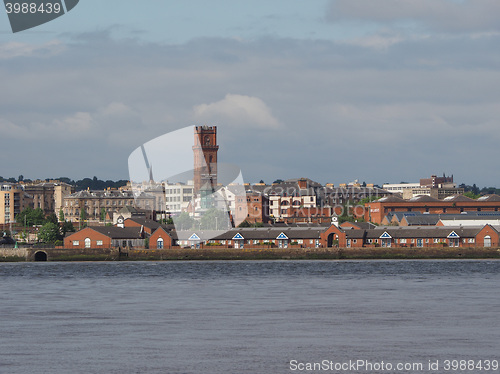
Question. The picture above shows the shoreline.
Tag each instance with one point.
(69, 255)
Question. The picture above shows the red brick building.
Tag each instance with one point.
(375, 211)
(106, 237)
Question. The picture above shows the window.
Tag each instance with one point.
(159, 243)
(76, 242)
(402, 241)
(87, 242)
(436, 240)
(99, 242)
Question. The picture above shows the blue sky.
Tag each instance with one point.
(335, 90)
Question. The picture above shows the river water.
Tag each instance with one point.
(246, 317)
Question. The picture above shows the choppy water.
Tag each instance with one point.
(244, 317)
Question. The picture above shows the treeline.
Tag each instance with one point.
(82, 184)
(475, 190)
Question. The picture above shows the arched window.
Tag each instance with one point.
(487, 241)
(159, 243)
(87, 242)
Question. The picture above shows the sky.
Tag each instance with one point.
(382, 91)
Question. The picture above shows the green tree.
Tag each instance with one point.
(103, 214)
(67, 226)
(52, 218)
(61, 216)
(471, 195)
(83, 217)
(244, 224)
(49, 233)
(214, 219)
(31, 217)
(184, 221)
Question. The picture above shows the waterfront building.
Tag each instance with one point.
(98, 237)
(375, 211)
(13, 200)
(95, 203)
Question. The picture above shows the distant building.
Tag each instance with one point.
(13, 200)
(49, 196)
(438, 182)
(399, 187)
(375, 211)
(178, 196)
(93, 203)
(205, 158)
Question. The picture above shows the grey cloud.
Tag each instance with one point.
(443, 15)
(347, 111)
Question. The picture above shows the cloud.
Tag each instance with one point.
(362, 104)
(16, 49)
(238, 110)
(442, 15)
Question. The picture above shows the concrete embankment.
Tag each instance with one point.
(50, 254)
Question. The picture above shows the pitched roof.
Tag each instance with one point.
(492, 198)
(420, 232)
(423, 199)
(456, 198)
(389, 199)
(422, 220)
(115, 232)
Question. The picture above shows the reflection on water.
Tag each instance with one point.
(243, 317)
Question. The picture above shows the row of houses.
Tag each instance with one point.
(139, 233)
(377, 210)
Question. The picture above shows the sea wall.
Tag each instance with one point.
(13, 254)
(111, 254)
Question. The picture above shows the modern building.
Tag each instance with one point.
(13, 200)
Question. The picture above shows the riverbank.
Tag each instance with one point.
(49, 254)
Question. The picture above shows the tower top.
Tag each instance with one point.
(205, 128)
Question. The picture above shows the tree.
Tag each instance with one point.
(103, 214)
(278, 181)
(471, 195)
(61, 216)
(67, 226)
(214, 219)
(184, 221)
(52, 218)
(49, 233)
(244, 224)
(31, 217)
(83, 217)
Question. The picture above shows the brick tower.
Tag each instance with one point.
(205, 158)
